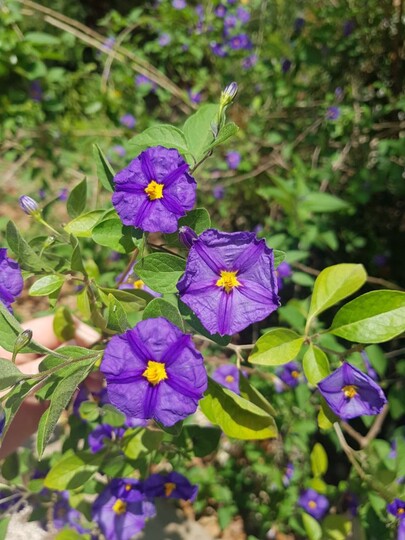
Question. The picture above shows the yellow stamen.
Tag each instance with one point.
(139, 284)
(119, 507)
(128, 487)
(349, 391)
(155, 372)
(400, 511)
(295, 374)
(154, 190)
(229, 378)
(312, 504)
(227, 280)
(169, 488)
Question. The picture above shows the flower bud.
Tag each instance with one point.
(29, 206)
(228, 94)
(23, 340)
(187, 236)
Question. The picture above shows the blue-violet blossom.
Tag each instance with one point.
(11, 281)
(228, 376)
(173, 486)
(313, 503)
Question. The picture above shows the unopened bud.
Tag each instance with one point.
(21, 341)
(187, 236)
(228, 94)
(29, 206)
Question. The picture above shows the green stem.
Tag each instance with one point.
(44, 374)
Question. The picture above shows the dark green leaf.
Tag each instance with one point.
(105, 172)
(112, 233)
(73, 470)
(229, 130)
(160, 135)
(205, 439)
(26, 256)
(116, 318)
(83, 225)
(161, 308)
(161, 271)
(9, 373)
(76, 202)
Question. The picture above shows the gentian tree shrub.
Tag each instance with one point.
(184, 288)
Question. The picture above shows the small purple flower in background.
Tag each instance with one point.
(220, 11)
(35, 91)
(351, 503)
(128, 120)
(230, 22)
(339, 93)
(313, 503)
(299, 24)
(195, 97)
(288, 474)
(241, 41)
(393, 451)
(218, 191)
(350, 393)
(348, 28)
(218, 49)
(283, 271)
(29, 205)
(64, 515)
(397, 508)
(228, 376)
(199, 9)
(290, 374)
(233, 159)
(243, 15)
(142, 80)
(63, 194)
(122, 509)
(333, 113)
(154, 191)
(229, 281)
(41, 194)
(164, 39)
(154, 371)
(187, 236)
(2, 422)
(109, 43)
(119, 150)
(249, 61)
(369, 368)
(97, 438)
(11, 281)
(286, 65)
(171, 486)
(179, 4)
(380, 260)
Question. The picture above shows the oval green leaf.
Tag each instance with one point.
(276, 347)
(161, 271)
(162, 308)
(46, 285)
(315, 364)
(83, 225)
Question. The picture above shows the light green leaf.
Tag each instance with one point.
(112, 416)
(41, 38)
(279, 257)
(73, 470)
(76, 260)
(229, 130)
(236, 416)
(83, 225)
(198, 132)
(197, 219)
(116, 318)
(83, 303)
(76, 202)
(319, 460)
(68, 534)
(326, 417)
(46, 285)
(14, 402)
(105, 172)
(249, 392)
(333, 285)
(315, 364)
(161, 308)
(312, 527)
(374, 317)
(10, 374)
(63, 324)
(4, 526)
(26, 256)
(276, 347)
(136, 443)
(112, 233)
(337, 527)
(160, 135)
(161, 271)
(322, 202)
(89, 411)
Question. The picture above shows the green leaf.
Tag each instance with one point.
(76, 260)
(160, 135)
(333, 285)
(14, 402)
(89, 411)
(161, 308)
(249, 392)
(112, 233)
(279, 257)
(69, 534)
(374, 317)
(161, 271)
(63, 324)
(315, 364)
(46, 285)
(10, 374)
(59, 401)
(76, 202)
(198, 132)
(42, 38)
(319, 460)
(135, 442)
(112, 416)
(205, 439)
(326, 417)
(196, 325)
(83, 303)
(3, 527)
(136, 297)
(105, 172)
(312, 527)
(116, 318)
(276, 347)
(337, 527)
(322, 202)
(26, 256)
(229, 130)
(83, 225)
(197, 219)
(73, 470)
(236, 416)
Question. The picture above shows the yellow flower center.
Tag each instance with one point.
(155, 372)
(295, 374)
(227, 280)
(349, 391)
(169, 488)
(128, 487)
(229, 378)
(312, 504)
(400, 511)
(119, 507)
(154, 190)
(139, 284)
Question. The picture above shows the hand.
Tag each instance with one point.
(26, 420)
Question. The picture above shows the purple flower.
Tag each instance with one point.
(249, 61)
(229, 281)
(369, 368)
(243, 15)
(333, 113)
(348, 28)
(220, 11)
(97, 437)
(230, 22)
(109, 43)
(63, 194)
(199, 9)
(122, 509)
(119, 150)
(35, 91)
(380, 260)
(29, 205)
(154, 371)
(218, 49)
(64, 515)
(11, 281)
(228, 376)
(218, 192)
(41, 194)
(187, 236)
(299, 24)
(350, 393)
(283, 271)
(155, 190)
(195, 97)
(401, 530)
(351, 502)
(142, 80)
(288, 474)
(179, 4)
(172, 486)
(397, 508)
(240, 41)
(233, 159)
(164, 39)
(286, 65)
(290, 374)
(127, 120)
(315, 504)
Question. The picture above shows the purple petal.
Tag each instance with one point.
(225, 312)
(147, 166)
(176, 174)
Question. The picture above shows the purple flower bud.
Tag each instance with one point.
(229, 93)
(195, 97)
(179, 4)
(333, 113)
(164, 39)
(29, 205)
(218, 192)
(283, 271)
(187, 236)
(233, 159)
(249, 61)
(128, 121)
